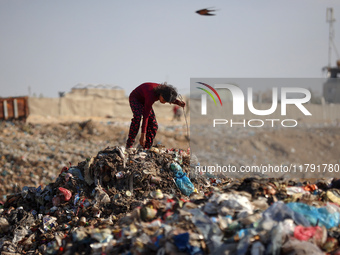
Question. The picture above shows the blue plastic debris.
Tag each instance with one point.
(316, 216)
(182, 180)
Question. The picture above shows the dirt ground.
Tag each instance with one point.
(310, 144)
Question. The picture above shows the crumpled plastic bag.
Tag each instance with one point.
(101, 196)
(181, 241)
(296, 247)
(210, 230)
(19, 234)
(76, 172)
(185, 185)
(66, 193)
(277, 234)
(236, 202)
(182, 180)
(305, 233)
(278, 212)
(316, 216)
(102, 235)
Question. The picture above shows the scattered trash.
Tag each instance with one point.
(138, 202)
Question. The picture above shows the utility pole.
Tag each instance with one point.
(330, 19)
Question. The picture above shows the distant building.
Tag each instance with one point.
(90, 90)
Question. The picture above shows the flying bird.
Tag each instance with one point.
(206, 12)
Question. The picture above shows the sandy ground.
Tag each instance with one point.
(171, 133)
(293, 147)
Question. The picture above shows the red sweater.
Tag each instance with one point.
(145, 95)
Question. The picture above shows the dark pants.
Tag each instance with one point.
(152, 126)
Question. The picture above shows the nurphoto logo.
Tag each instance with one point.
(238, 104)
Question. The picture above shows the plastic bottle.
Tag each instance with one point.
(76, 199)
(182, 181)
(194, 160)
(194, 163)
(176, 169)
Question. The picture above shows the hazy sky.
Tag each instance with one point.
(51, 46)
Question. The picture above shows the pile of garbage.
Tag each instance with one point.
(152, 202)
(32, 154)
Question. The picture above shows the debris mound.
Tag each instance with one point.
(153, 202)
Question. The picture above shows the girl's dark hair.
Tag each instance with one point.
(168, 92)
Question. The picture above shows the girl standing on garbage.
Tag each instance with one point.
(141, 100)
